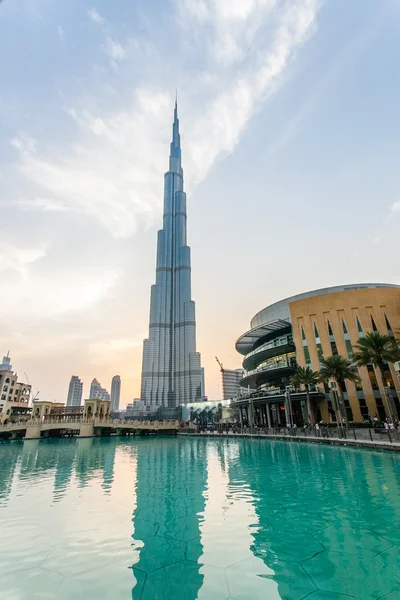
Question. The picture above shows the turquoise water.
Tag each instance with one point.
(180, 519)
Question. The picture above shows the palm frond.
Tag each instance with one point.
(338, 368)
(376, 349)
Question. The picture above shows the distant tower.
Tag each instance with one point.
(74, 397)
(94, 388)
(6, 364)
(115, 392)
(231, 379)
(171, 369)
(97, 392)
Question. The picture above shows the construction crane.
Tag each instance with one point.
(221, 366)
(32, 397)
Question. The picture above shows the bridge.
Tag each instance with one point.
(35, 429)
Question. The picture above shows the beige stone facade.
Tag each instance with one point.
(14, 394)
(357, 312)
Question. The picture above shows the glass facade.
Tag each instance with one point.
(389, 327)
(359, 328)
(171, 368)
(332, 340)
(318, 344)
(305, 348)
(347, 341)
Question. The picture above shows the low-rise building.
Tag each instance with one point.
(14, 394)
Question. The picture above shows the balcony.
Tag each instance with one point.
(282, 345)
(272, 370)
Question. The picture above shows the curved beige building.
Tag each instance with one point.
(304, 328)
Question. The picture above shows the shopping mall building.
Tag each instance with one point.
(303, 329)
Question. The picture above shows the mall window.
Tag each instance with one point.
(277, 362)
(305, 347)
(374, 327)
(359, 328)
(347, 341)
(332, 340)
(372, 377)
(388, 377)
(389, 328)
(359, 386)
(363, 407)
(318, 344)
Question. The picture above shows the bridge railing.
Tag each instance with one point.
(96, 422)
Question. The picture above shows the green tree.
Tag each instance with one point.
(378, 350)
(338, 369)
(306, 377)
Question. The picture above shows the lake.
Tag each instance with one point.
(172, 518)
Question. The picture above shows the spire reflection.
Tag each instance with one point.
(171, 479)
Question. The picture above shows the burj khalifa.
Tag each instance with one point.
(171, 369)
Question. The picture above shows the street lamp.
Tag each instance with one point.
(288, 407)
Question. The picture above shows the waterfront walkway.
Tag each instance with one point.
(359, 438)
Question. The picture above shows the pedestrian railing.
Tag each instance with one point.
(332, 433)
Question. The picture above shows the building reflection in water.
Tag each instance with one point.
(230, 518)
(10, 455)
(314, 515)
(171, 481)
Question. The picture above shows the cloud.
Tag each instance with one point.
(45, 204)
(95, 16)
(112, 171)
(60, 32)
(32, 287)
(245, 87)
(13, 258)
(43, 296)
(395, 208)
(113, 175)
(115, 50)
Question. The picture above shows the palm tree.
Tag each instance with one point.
(306, 377)
(338, 369)
(377, 349)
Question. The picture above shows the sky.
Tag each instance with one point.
(290, 136)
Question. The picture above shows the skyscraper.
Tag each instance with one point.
(97, 392)
(115, 392)
(74, 397)
(231, 379)
(171, 369)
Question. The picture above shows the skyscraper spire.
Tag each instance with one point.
(175, 151)
(171, 370)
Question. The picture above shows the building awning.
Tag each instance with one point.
(245, 343)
